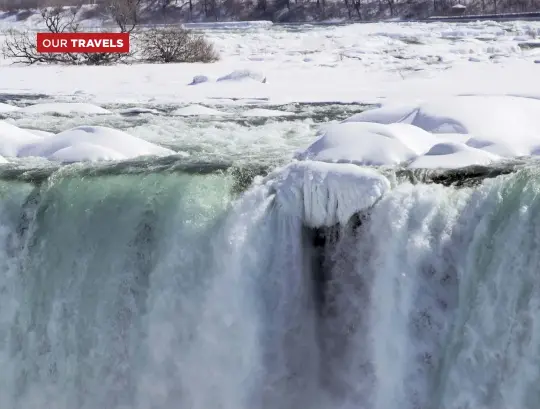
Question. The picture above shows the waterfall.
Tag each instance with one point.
(162, 290)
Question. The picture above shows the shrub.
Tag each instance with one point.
(175, 44)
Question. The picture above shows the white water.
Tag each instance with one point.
(149, 292)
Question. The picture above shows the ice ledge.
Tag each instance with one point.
(324, 194)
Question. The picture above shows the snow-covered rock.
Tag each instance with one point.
(12, 138)
(199, 79)
(243, 75)
(448, 132)
(91, 143)
(369, 144)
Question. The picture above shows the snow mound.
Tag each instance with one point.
(199, 79)
(369, 144)
(91, 143)
(64, 108)
(384, 115)
(3, 160)
(453, 155)
(261, 112)
(446, 132)
(38, 132)
(198, 110)
(243, 75)
(324, 194)
(13, 138)
(8, 108)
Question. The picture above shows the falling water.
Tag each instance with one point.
(162, 291)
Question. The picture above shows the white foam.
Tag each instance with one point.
(323, 194)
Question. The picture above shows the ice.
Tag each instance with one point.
(91, 143)
(323, 194)
(64, 108)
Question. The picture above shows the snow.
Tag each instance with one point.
(64, 108)
(38, 132)
(221, 25)
(243, 75)
(447, 132)
(451, 94)
(7, 108)
(198, 110)
(323, 194)
(91, 143)
(261, 112)
(13, 138)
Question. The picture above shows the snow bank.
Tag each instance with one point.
(323, 194)
(447, 132)
(198, 110)
(91, 143)
(64, 108)
(8, 108)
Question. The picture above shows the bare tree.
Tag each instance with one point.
(175, 44)
(125, 13)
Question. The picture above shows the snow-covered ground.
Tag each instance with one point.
(275, 86)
